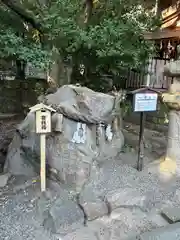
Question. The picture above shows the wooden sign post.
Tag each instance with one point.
(43, 126)
(144, 100)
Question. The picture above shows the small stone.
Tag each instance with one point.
(4, 179)
(94, 209)
(172, 214)
(124, 197)
(63, 217)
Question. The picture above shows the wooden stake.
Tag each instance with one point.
(43, 162)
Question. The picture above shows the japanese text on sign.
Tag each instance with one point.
(145, 102)
(43, 122)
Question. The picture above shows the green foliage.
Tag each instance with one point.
(17, 42)
(112, 38)
(127, 108)
(163, 115)
(17, 47)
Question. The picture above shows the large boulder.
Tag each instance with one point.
(88, 135)
(8, 124)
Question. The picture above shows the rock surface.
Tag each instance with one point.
(124, 197)
(123, 186)
(172, 214)
(19, 218)
(63, 217)
(123, 223)
(81, 234)
(171, 231)
(93, 208)
(7, 129)
(75, 143)
(136, 200)
(25, 212)
(4, 179)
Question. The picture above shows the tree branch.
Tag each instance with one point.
(88, 6)
(23, 15)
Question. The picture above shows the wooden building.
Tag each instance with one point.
(169, 11)
(166, 40)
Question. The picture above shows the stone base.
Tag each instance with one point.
(168, 166)
(164, 168)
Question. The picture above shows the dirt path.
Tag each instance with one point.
(154, 144)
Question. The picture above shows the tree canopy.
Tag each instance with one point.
(103, 35)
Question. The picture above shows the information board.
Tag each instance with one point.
(145, 102)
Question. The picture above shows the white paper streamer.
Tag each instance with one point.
(109, 134)
(80, 134)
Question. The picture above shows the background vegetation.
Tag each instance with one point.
(103, 36)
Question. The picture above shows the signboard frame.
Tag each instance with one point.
(148, 99)
(144, 92)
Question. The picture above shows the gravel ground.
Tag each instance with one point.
(139, 211)
(19, 218)
(150, 186)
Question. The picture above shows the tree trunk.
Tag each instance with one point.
(60, 72)
(23, 14)
(53, 78)
(20, 65)
(65, 71)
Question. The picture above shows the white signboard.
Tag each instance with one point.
(43, 121)
(145, 102)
